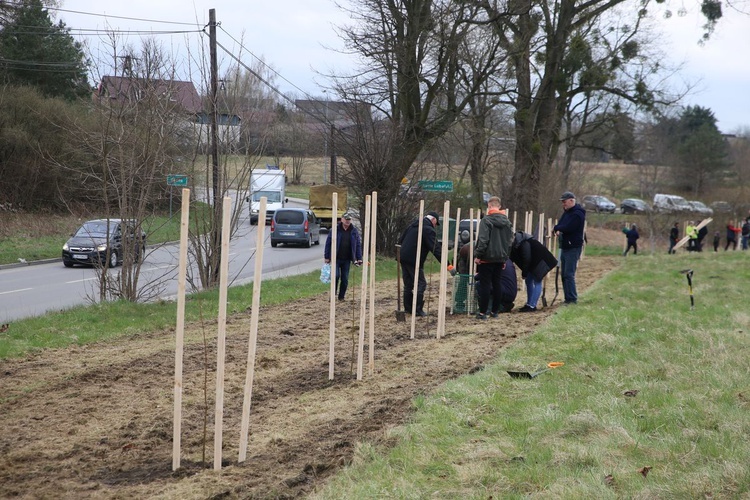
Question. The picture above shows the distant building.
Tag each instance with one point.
(177, 96)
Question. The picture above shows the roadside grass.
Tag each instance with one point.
(99, 322)
(647, 383)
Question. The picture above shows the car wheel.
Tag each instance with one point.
(273, 244)
(113, 259)
(317, 242)
(67, 264)
(309, 242)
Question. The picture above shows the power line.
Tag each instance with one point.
(95, 31)
(106, 16)
(242, 47)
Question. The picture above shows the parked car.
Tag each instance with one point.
(297, 226)
(670, 203)
(598, 203)
(99, 242)
(634, 206)
(701, 209)
(721, 207)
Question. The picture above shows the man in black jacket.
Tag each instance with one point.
(570, 231)
(408, 258)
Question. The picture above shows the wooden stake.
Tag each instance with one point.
(373, 239)
(442, 293)
(226, 217)
(470, 284)
(416, 270)
(180, 329)
(363, 302)
(332, 291)
(253, 339)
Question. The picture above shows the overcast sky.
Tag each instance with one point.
(293, 36)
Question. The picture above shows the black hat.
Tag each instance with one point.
(347, 216)
(436, 216)
(567, 195)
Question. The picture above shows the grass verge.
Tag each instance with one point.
(653, 401)
(84, 324)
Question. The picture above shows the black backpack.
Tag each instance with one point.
(746, 228)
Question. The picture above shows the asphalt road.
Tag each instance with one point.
(33, 290)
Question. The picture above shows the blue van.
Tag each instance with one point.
(297, 226)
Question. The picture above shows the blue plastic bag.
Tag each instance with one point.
(325, 273)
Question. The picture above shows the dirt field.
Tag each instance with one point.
(96, 421)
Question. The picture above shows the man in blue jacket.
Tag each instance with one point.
(348, 249)
(570, 231)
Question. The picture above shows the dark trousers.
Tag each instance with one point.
(634, 246)
(490, 275)
(407, 273)
(731, 242)
(342, 277)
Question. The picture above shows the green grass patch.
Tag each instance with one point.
(565, 432)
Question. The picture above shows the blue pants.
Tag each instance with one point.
(568, 265)
(342, 274)
(533, 291)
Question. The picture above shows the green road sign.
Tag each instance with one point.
(444, 186)
(177, 180)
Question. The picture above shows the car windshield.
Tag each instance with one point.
(98, 229)
(271, 196)
(289, 217)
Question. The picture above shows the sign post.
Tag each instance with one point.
(175, 180)
(441, 186)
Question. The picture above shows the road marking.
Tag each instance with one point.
(80, 281)
(15, 291)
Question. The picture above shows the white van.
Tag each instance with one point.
(671, 203)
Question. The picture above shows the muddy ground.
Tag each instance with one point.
(96, 421)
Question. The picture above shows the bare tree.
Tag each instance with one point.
(414, 78)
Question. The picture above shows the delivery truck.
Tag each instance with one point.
(320, 203)
(270, 183)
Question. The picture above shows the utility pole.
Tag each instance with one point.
(214, 146)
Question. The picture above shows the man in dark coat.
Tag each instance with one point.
(348, 250)
(674, 237)
(534, 261)
(408, 258)
(494, 239)
(570, 231)
(632, 236)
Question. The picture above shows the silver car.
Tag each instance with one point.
(297, 226)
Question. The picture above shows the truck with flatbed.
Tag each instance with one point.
(321, 197)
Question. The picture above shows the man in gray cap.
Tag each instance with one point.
(409, 257)
(570, 231)
(348, 250)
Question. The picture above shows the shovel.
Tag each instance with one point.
(400, 315)
(689, 274)
(529, 375)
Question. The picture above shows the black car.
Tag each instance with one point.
(634, 206)
(99, 242)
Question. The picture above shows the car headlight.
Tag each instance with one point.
(65, 246)
(102, 248)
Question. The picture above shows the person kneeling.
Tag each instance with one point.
(534, 261)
